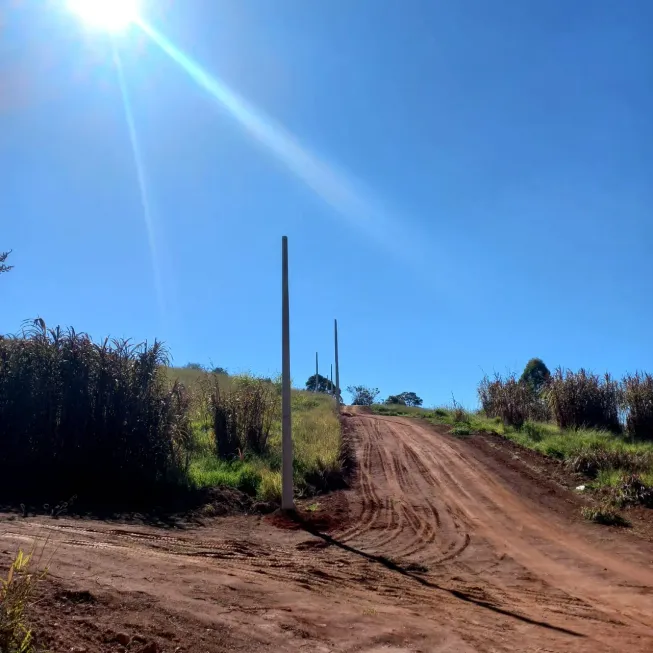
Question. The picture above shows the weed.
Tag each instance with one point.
(16, 593)
(461, 429)
(270, 487)
(605, 515)
(624, 489)
(459, 413)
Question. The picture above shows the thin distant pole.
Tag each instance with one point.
(287, 501)
(331, 378)
(335, 332)
(316, 373)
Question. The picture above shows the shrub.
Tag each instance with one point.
(511, 400)
(581, 399)
(243, 416)
(638, 403)
(461, 429)
(631, 490)
(362, 395)
(77, 417)
(605, 515)
(16, 593)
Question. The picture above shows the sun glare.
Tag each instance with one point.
(109, 15)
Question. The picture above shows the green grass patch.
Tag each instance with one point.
(317, 449)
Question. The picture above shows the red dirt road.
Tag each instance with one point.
(447, 544)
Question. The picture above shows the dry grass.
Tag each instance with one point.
(16, 598)
(584, 400)
(605, 515)
(638, 403)
(513, 401)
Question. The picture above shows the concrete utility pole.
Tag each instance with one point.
(316, 374)
(287, 500)
(335, 327)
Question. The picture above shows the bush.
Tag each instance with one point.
(511, 400)
(77, 417)
(604, 515)
(631, 490)
(362, 395)
(584, 400)
(638, 402)
(243, 416)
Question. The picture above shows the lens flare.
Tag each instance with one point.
(140, 176)
(334, 187)
(108, 15)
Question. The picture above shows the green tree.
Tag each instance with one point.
(411, 399)
(323, 384)
(3, 257)
(536, 374)
(362, 395)
(405, 399)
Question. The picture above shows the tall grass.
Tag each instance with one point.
(584, 400)
(513, 401)
(93, 419)
(16, 597)
(243, 416)
(240, 444)
(637, 401)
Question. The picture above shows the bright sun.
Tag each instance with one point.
(110, 15)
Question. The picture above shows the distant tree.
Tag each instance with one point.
(323, 384)
(193, 366)
(405, 399)
(220, 370)
(536, 374)
(3, 257)
(362, 395)
(411, 399)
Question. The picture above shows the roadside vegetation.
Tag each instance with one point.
(111, 423)
(17, 596)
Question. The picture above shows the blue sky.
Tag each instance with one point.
(464, 185)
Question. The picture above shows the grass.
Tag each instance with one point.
(16, 595)
(317, 453)
(604, 515)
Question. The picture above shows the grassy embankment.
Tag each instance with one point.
(316, 439)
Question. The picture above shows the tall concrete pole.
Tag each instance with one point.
(287, 501)
(335, 330)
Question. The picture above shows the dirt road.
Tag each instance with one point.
(446, 544)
